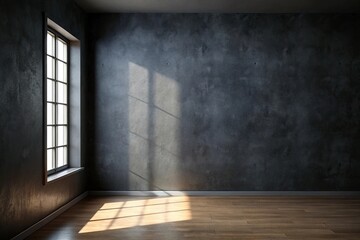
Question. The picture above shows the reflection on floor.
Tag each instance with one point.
(228, 217)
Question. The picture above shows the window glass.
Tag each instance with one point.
(56, 102)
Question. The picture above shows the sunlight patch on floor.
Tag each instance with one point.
(132, 213)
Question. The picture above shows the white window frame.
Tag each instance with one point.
(57, 149)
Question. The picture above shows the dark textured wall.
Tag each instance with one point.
(225, 102)
(24, 199)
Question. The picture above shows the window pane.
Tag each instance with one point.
(61, 50)
(61, 71)
(61, 92)
(50, 90)
(61, 114)
(50, 137)
(50, 159)
(61, 156)
(57, 91)
(61, 135)
(50, 113)
(50, 44)
(50, 67)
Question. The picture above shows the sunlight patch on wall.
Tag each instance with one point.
(132, 213)
(167, 124)
(167, 112)
(154, 129)
(138, 100)
(138, 82)
(167, 97)
(138, 126)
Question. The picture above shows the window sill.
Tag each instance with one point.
(64, 173)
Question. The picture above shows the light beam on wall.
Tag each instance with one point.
(154, 129)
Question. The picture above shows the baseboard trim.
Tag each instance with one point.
(27, 232)
(223, 193)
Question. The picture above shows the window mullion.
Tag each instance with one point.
(67, 103)
(56, 105)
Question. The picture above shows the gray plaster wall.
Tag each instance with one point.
(224, 102)
(24, 199)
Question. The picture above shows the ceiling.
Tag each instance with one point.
(221, 6)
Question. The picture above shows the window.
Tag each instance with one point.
(57, 102)
(61, 103)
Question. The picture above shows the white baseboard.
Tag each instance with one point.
(224, 193)
(27, 232)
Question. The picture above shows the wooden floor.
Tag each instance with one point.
(207, 218)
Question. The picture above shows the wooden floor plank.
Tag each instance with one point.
(214, 217)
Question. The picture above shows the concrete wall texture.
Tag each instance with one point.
(224, 102)
(24, 199)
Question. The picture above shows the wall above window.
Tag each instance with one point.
(221, 6)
